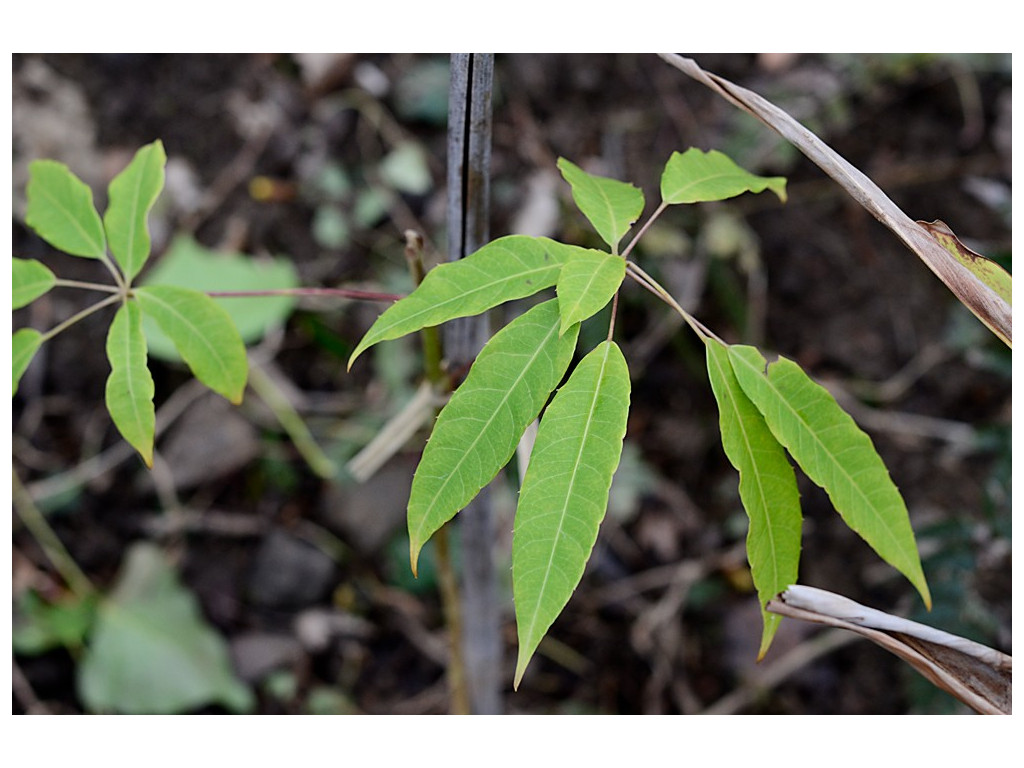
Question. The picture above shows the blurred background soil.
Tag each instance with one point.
(327, 160)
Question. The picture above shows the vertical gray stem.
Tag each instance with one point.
(469, 155)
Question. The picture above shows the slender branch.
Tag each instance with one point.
(105, 287)
(654, 287)
(342, 293)
(52, 546)
(647, 224)
(112, 299)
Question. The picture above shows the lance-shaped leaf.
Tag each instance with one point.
(587, 282)
(24, 344)
(767, 488)
(30, 279)
(476, 433)
(203, 333)
(61, 211)
(130, 389)
(610, 205)
(835, 453)
(508, 268)
(695, 176)
(132, 194)
(565, 492)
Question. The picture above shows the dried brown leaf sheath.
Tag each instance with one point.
(978, 676)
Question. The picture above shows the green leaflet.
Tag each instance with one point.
(24, 344)
(151, 651)
(477, 432)
(767, 488)
(61, 211)
(587, 283)
(132, 194)
(611, 206)
(129, 393)
(696, 177)
(30, 279)
(203, 333)
(565, 492)
(508, 268)
(835, 454)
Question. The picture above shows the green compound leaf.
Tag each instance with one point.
(151, 651)
(698, 177)
(132, 194)
(508, 268)
(61, 211)
(477, 432)
(565, 492)
(190, 265)
(30, 279)
(587, 283)
(836, 454)
(203, 333)
(130, 388)
(24, 344)
(768, 488)
(610, 205)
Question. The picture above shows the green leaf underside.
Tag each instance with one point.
(60, 210)
(508, 268)
(767, 488)
(24, 345)
(611, 206)
(191, 265)
(695, 176)
(130, 389)
(203, 334)
(30, 279)
(151, 651)
(565, 492)
(476, 433)
(835, 453)
(587, 283)
(132, 194)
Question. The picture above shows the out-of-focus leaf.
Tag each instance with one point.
(151, 651)
(189, 265)
(30, 279)
(132, 194)
(610, 205)
(695, 176)
(565, 492)
(61, 211)
(203, 334)
(130, 388)
(24, 344)
(39, 626)
(405, 168)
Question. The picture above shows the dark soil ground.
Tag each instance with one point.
(306, 579)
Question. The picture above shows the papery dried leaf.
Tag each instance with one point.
(977, 675)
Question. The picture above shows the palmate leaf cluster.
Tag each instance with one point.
(61, 211)
(769, 413)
